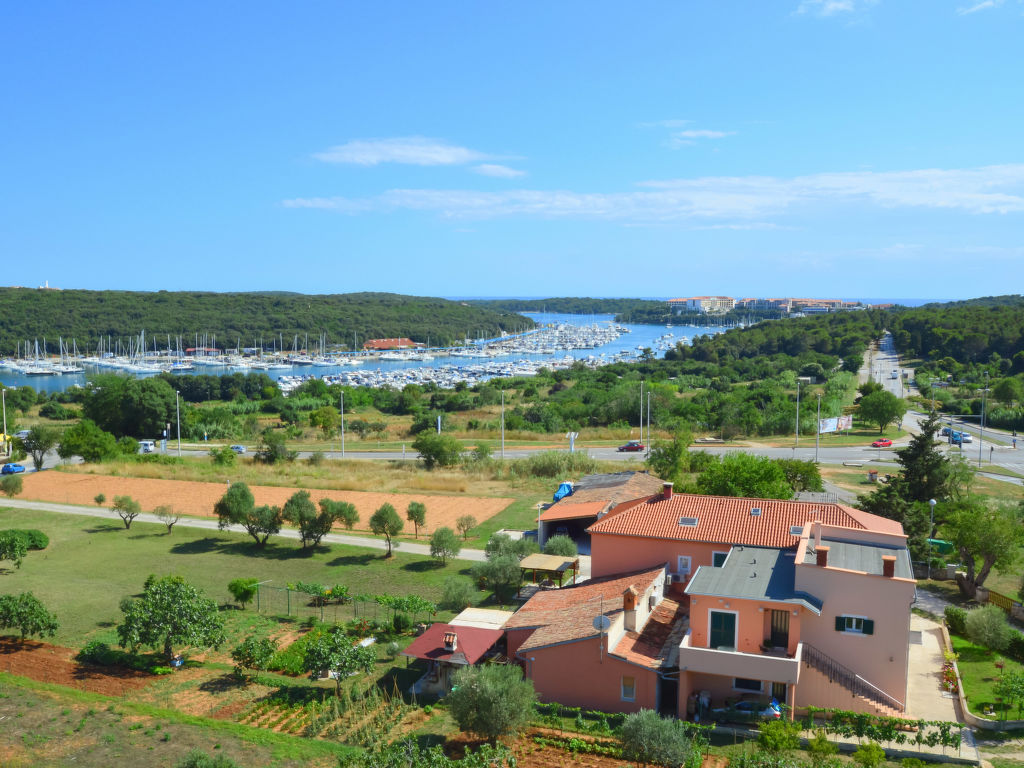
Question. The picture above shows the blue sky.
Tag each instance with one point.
(808, 147)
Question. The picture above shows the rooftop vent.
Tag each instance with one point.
(450, 641)
(796, 530)
(689, 521)
(755, 512)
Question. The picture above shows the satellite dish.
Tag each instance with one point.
(601, 623)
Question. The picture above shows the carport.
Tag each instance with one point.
(574, 518)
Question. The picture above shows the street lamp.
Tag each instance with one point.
(817, 431)
(503, 424)
(3, 396)
(931, 518)
(177, 420)
(797, 414)
(981, 435)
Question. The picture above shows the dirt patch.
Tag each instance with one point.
(197, 498)
(54, 664)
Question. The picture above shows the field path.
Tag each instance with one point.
(211, 525)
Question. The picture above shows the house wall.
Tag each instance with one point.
(515, 638)
(816, 690)
(881, 658)
(582, 674)
(611, 554)
(753, 622)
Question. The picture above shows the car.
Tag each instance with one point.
(745, 710)
(944, 431)
(21, 434)
(966, 437)
(882, 443)
(239, 449)
(11, 469)
(147, 446)
(631, 447)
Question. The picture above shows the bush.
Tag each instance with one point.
(956, 619)
(199, 759)
(402, 623)
(392, 650)
(869, 755)
(101, 654)
(778, 736)
(33, 539)
(560, 545)
(99, 498)
(988, 626)
(1015, 650)
(11, 485)
(491, 701)
(647, 737)
(820, 749)
(457, 593)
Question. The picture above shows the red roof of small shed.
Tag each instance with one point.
(471, 644)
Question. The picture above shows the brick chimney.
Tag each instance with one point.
(822, 553)
(666, 490)
(629, 609)
(451, 641)
(888, 566)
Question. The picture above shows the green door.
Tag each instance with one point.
(723, 631)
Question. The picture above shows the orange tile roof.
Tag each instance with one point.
(657, 645)
(573, 511)
(563, 615)
(727, 520)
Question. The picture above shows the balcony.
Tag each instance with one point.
(754, 666)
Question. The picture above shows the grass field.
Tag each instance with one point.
(979, 673)
(92, 564)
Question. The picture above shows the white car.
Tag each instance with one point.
(239, 449)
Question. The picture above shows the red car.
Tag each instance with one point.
(631, 446)
(883, 443)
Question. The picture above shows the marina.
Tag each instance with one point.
(559, 341)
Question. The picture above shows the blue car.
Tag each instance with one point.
(11, 469)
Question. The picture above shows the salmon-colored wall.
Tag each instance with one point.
(579, 675)
(611, 554)
(515, 638)
(816, 690)
(882, 657)
(753, 626)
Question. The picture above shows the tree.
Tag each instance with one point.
(238, 507)
(464, 524)
(492, 700)
(11, 485)
(670, 459)
(437, 450)
(986, 537)
(987, 626)
(253, 653)
(127, 509)
(243, 590)
(336, 654)
(170, 612)
(501, 544)
(801, 475)
(560, 545)
(501, 574)
(28, 615)
(99, 498)
(299, 510)
(167, 515)
(926, 472)
(271, 447)
(444, 544)
(745, 475)
(38, 442)
(343, 512)
(87, 440)
(457, 593)
(386, 522)
(416, 513)
(130, 406)
(13, 546)
(648, 738)
(1008, 391)
(328, 419)
(223, 456)
(882, 408)
(1010, 688)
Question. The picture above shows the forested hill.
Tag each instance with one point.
(966, 331)
(29, 314)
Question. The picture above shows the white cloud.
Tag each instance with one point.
(666, 124)
(409, 150)
(739, 200)
(691, 136)
(498, 171)
(832, 7)
(982, 6)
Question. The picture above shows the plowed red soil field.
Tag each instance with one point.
(54, 664)
(197, 499)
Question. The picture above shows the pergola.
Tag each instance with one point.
(550, 566)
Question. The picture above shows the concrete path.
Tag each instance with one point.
(210, 524)
(925, 698)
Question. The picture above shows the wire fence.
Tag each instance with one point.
(281, 601)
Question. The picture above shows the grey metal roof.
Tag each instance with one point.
(867, 558)
(753, 573)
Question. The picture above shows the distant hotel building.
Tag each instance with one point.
(713, 305)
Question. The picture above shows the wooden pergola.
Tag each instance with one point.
(550, 566)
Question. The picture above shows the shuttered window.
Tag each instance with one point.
(855, 625)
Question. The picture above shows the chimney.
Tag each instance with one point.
(888, 566)
(666, 490)
(629, 609)
(822, 553)
(451, 641)
(817, 534)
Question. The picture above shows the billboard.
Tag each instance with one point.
(834, 424)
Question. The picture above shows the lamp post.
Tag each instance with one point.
(3, 396)
(342, 408)
(797, 413)
(817, 431)
(981, 434)
(931, 518)
(177, 419)
(503, 424)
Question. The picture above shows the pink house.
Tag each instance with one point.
(805, 602)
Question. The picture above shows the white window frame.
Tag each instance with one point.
(622, 688)
(759, 689)
(679, 565)
(735, 627)
(848, 630)
(713, 554)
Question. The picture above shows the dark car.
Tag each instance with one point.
(749, 710)
(631, 447)
(883, 443)
(11, 469)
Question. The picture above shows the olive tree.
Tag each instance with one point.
(491, 701)
(386, 522)
(336, 654)
(444, 544)
(416, 513)
(27, 614)
(170, 612)
(127, 509)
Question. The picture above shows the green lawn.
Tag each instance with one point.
(978, 672)
(91, 564)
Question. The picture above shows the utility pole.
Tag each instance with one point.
(648, 443)
(817, 431)
(981, 435)
(641, 411)
(177, 413)
(503, 424)
(7, 440)
(342, 406)
(797, 413)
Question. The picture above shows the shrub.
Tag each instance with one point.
(869, 755)
(101, 654)
(243, 590)
(402, 623)
(988, 626)
(33, 539)
(820, 749)
(199, 759)
(560, 545)
(99, 498)
(11, 485)
(1015, 650)
(392, 650)
(647, 737)
(457, 593)
(956, 619)
(778, 736)
(491, 701)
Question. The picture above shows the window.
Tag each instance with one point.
(690, 522)
(718, 559)
(796, 530)
(743, 684)
(855, 625)
(683, 564)
(722, 630)
(628, 688)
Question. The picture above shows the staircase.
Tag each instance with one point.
(850, 680)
